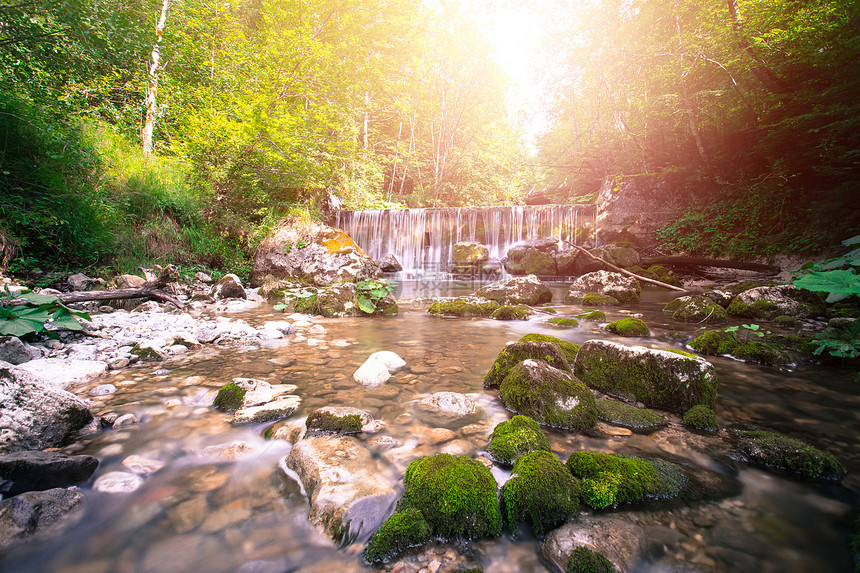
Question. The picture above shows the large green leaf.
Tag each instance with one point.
(366, 305)
(38, 299)
(835, 282)
(24, 321)
(63, 318)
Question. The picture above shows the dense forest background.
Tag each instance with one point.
(268, 107)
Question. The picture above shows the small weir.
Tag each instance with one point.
(423, 239)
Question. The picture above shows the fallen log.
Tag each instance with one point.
(626, 272)
(704, 262)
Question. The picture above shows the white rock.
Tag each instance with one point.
(389, 359)
(372, 373)
(281, 325)
(449, 404)
(270, 334)
(142, 466)
(317, 329)
(280, 408)
(118, 482)
(65, 373)
(125, 420)
(103, 390)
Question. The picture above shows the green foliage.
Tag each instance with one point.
(842, 341)
(514, 438)
(746, 332)
(371, 292)
(584, 560)
(629, 327)
(541, 491)
(303, 299)
(36, 312)
(230, 397)
(702, 418)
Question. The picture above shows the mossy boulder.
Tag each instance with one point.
(702, 419)
(768, 302)
(640, 420)
(697, 308)
(612, 481)
(584, 560)
(536, 262)
(662, 274)
(621, 287)
(337, 420)
(506, 312)
(517, 290)
(230, 397)
(470, 253)
(782, 453)
(514, 438)
(568, 349)
(463, 306)
(548, 395)
(786, 321)
(596, 299)
(515, 353)
(563, 322)
(657, 378)
(594, 315)
(406, 528)
(715, 342)
(720, 342)
(629, 327)
(760, 353)
(540, 491)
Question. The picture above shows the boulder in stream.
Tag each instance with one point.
(389, 264)
(514, 438)
(616, 537)
(38, 514)
(621, 287)
(517, 290)
(697, 308)
(39, 471)
(768, 302)
(516, 352)
(781, 453)
(228, 287)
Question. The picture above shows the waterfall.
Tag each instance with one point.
(423, 239)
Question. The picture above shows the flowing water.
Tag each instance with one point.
(222, 503)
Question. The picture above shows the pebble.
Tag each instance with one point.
(103, 390)
(118, 482)
(142, 466)
(317, 329)
(125, 420)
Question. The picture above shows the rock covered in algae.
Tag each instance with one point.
(445, 497)
(514, 438)
(338, 420)
(719, 342)
(702, 418)
(639, 420)
(584, 560)
(782, 453)
(568, 349)
(548, 395)
(515, 353)
(463, 306)
(629, 327)
(615, 536)
(506, 312)
(768, 302)
(623, 288)
(540, 491)
(670, 380)
(517, 290)
(697, 308)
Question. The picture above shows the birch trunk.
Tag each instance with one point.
(152, 87)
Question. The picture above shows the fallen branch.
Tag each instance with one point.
(703, 262)
(626, 272)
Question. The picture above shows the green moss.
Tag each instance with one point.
(515, 353)
(715, 342)
(610, 481)
(594, 315)
(662, 274)
(702, 418)
(456, 496)
(563, 322)
(699, 309)
(323, 421)
(145, 352)
(541, 491)
(595, 299)
(404, 529)
(77, 417)
(536, 262)
(786, 321)
(679, 352)
(758, 309)
(516, 437)
(584, 560)
(463, 307)
(674, 304)
(230, 397)
(506, 312)
(640, 420)
(568, 349)
(548, 395)
(777, 451)
(760, 353)
(629, 327)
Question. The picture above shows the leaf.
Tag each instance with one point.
(855, 240)
(24, 322)
(366, 305)
(62, 318)
(842, 281)
(38, 299)
(835, 297)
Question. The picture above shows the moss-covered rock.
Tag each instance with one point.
(463, 306)
(622, 288)
(779, 452)
(517, 290)
(720, 342)
(550, 396)
(518, 312)
(697, 308)
(640, 420)
(326, 421)
(611, 481)
(456, 496)
(541, 491)
(715, 342)
(760, 353)
(536, 262)
(657, 378)
(596, 299)
(662, 274)
(702, 418)
(593, 315)
(786, 321)
(629, 327)
(515, 353)
(404, 529)
(568, 349)
(514, 438)
(768, 302)
(563, 322)
(230, 397)
(584, 560)
(470, 253)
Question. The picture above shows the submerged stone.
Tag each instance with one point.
(513, 354)
(548, 395)
(782, 453)
(514, 438)
(639, 420)
(540, 491)
(658, 378)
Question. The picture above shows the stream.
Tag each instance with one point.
(218, 500)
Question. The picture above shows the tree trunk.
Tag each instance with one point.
(152, 87)
(763, 73)
(686, 100)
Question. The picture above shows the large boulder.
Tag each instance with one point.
(617, 537)
(532, 257)
(548, 395)
(612, 254)
(13, 351)
(228, 287)
(36, 413)
(350, 491)
(517, 290)
(515, 353)
(697, 308)
(621, 287)
(389, 264)
(566, 262)
(788, 455)
(768, 302)
(311, 252)
(38, 471)
(671, 380)
(470, 253)
(38, 514)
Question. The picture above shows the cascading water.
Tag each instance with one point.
(423, 239)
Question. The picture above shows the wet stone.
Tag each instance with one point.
(118, 482)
